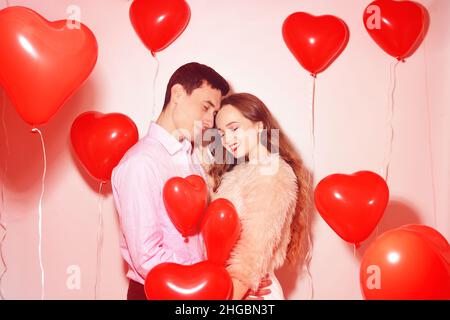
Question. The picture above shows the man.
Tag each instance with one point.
(148, 237)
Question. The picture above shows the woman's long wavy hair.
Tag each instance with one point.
(255, 110)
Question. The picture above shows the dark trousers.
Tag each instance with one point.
(136, 291)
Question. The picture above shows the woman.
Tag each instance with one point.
(266, 182)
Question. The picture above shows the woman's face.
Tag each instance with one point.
(239, 135)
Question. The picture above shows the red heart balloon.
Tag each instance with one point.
(315, 41)
(200, 281)
(100, 141)
(398, 27)
(352, 205)
(407, 263)
(185, 201)
(221, 228)
(159, 22)
(42, 63)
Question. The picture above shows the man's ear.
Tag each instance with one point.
(177, 92)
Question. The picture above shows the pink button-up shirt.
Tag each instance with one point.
(148, 236)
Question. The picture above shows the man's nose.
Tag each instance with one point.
(209, 121)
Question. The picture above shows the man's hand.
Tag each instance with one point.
(263, 290)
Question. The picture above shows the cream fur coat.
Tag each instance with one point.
(265, 196)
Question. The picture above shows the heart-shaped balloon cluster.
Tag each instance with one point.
(410, 262)
(185, 200)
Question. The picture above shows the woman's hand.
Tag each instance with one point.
(263, 290)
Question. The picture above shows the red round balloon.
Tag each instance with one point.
(315, 41)
(200, 281)
(398, 27)
(406, 264)
(221, 228)
(42, 63)
(185, 200)
(100, 141)
(352, 205)
(434, 238)
(159, 22)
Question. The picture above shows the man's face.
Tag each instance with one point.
(195, 113)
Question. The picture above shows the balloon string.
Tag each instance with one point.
(4, 266)
(312, 117)
(2, 224)
(154, 86)
(392, 86)
(307, 267)
(99, 239)
(40, 211)
(354, 250)
(430, 149)
(312, 134)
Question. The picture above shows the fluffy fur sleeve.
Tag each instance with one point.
(268, 202)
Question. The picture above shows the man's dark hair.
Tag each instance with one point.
(192, 76)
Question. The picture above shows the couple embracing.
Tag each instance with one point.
(251, 163)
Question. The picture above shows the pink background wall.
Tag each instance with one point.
(241, 40)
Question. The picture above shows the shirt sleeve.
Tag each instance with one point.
(137, 191)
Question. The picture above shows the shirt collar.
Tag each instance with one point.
(168, 141)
